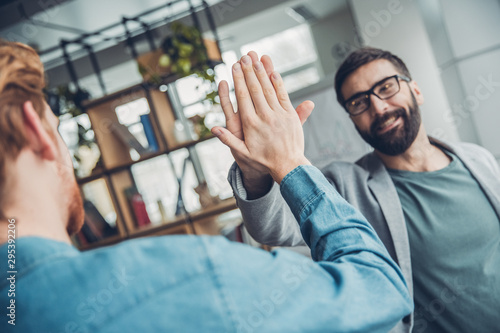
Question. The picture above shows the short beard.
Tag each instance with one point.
(76, 214)
(73, 200)
(397, 140)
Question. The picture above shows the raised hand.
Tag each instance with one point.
(265, 136)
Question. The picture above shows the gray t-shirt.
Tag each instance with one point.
(454, 237)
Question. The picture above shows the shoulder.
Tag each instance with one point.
(345, 174)
(361, 169)
(468, 147)
(149, 252)
(472, 155)
(465, 149)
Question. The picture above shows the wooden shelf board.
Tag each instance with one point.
(139, 86)
(102, 173)
(151, 229)
(222, 207)
(103, 242)
(94, 102)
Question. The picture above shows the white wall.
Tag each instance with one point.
(329, 132)
(333, 32)
(471, 68)
(397, 26)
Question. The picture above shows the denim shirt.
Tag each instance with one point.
(208, 284)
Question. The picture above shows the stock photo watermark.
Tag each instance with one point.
(363, 35)
(432, 310)
(292, 279)
(222, 8)
(29, 30)
(91, 306)
(11, 271)
(471, 103)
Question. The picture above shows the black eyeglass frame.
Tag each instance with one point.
(372, 92)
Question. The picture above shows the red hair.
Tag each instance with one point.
(21, 80)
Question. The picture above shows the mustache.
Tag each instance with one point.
(382, 119)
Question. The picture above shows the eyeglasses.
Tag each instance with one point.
(384, 89)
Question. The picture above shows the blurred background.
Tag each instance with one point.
(94, 48)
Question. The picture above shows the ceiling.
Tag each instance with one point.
(273, 19)
(47, 25)
(46, 22)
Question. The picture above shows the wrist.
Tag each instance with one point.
(279, 172)
(257, 186)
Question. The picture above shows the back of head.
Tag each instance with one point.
(361, 57)
(21, 80)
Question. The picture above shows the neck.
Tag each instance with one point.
(31, 223)
(30, 202)
(421, 156)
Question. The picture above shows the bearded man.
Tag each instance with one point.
(178, 283)
(435, 205)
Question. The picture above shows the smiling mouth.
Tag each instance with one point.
(388, 124)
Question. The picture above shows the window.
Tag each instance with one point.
(289, 49)
(156, 180)
(301, 79)
(294, 55)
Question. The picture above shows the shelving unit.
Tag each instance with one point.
(116, 166)
(199, 223)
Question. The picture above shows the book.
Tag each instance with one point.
(88, 233)
(79, 239)
(137, 206)
(127, 138)
(149, 132)
(96, 227)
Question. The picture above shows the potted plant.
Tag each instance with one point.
(183, 53)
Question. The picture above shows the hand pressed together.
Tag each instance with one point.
(265, 135)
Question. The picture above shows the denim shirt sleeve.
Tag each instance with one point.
(354, 286)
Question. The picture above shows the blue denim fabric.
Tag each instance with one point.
(208, 284)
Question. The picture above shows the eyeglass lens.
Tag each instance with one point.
(384, 90)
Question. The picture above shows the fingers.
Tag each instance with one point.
(265, 59)
(263, 76)
(281, 93)
(253, 84)
(228, 139)
(245, 104)
(304, 110)
(267, 86)
(268, 64)
(253, 55)
(233, 122)
(225, 101)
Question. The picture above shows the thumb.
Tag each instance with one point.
(230, 140)
(304, 110)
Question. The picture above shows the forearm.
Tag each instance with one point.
(347, 247)
(268, 218)
(324, 216)
(354, 287)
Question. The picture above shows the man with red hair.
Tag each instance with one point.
(176, 283)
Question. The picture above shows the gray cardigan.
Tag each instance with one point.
(368, 187)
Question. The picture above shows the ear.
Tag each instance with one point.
(417, 92)
(40, 142)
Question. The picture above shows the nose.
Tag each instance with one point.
(378, 106)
